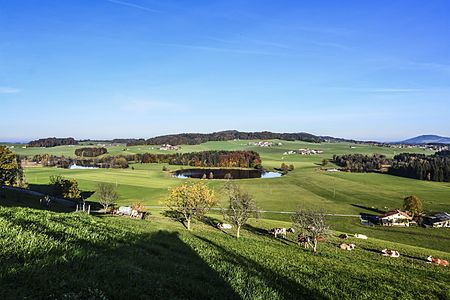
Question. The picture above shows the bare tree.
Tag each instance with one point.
(241, 207)
(312, 224)
(107, 194)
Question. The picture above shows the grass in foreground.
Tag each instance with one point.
(68, 255)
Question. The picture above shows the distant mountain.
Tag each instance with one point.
(427, 139)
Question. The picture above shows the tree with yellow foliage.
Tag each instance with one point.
(190, 200)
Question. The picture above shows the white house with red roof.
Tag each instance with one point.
(395, 218)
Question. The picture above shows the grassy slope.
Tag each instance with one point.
(55, 254)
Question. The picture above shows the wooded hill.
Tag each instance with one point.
(412, 165)
(198, 138)
(52, 142)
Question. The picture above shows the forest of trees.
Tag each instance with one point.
(361, 162)
(412, 165)
(119, 161)
(198, 138)
(419, 166)
(241, 159)
(52, 142)
(90, 151)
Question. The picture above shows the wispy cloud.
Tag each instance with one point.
(384, 63)
(393, 90)
(129, 4)
(8, 90)
(377, 90)
(226, 49)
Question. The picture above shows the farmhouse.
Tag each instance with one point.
(395, 218)
(168, 147)
(309, 151)
(437, 220)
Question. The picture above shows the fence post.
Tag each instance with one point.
(89, 209)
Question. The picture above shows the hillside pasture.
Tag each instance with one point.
(79, 256)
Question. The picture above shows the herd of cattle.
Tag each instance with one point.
(305, 241)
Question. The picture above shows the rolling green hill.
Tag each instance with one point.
(76, 256)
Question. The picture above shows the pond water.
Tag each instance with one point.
(76, 167)
(224, 173)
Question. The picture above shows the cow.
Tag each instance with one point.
(321, 238)
(343, 236)
(222, 226)
(303, 240)
(348, 247)
(360, 236)
(437, 261)
(280, 231)
(390, 253)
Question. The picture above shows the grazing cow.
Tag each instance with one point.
(321, 238)
(280, 231)
(343, 236)
(360, 236)
(390, 253)
(224, 226)
(437, 261)
(348, 247)
(303, 240)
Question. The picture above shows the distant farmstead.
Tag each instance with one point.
(166, 147)
(437, 220)
(395, 218)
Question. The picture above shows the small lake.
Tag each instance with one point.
(224, 173)
(77, 167)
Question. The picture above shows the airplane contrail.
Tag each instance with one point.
(134, 6)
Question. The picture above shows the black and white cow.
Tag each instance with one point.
(280, 231)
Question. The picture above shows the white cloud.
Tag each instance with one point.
(8, 90)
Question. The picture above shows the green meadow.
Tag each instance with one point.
(307, 186)
(71, 255)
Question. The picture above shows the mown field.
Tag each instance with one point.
(75, 256)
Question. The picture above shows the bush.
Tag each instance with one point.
(63, 187)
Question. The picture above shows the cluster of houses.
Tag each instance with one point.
(432, 147)
(166, 147)
(264, 144)
(306, 151)
(402, 219)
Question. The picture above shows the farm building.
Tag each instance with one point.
(166, 147)
(395, 218)
(437, 220)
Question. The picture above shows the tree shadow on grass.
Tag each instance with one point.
(285, 287)
(11, 198)
(265, 232)
(377, 251)
(375, 210)
(144, 266)
(175, 216)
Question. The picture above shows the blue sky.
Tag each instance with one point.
(140, 68)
